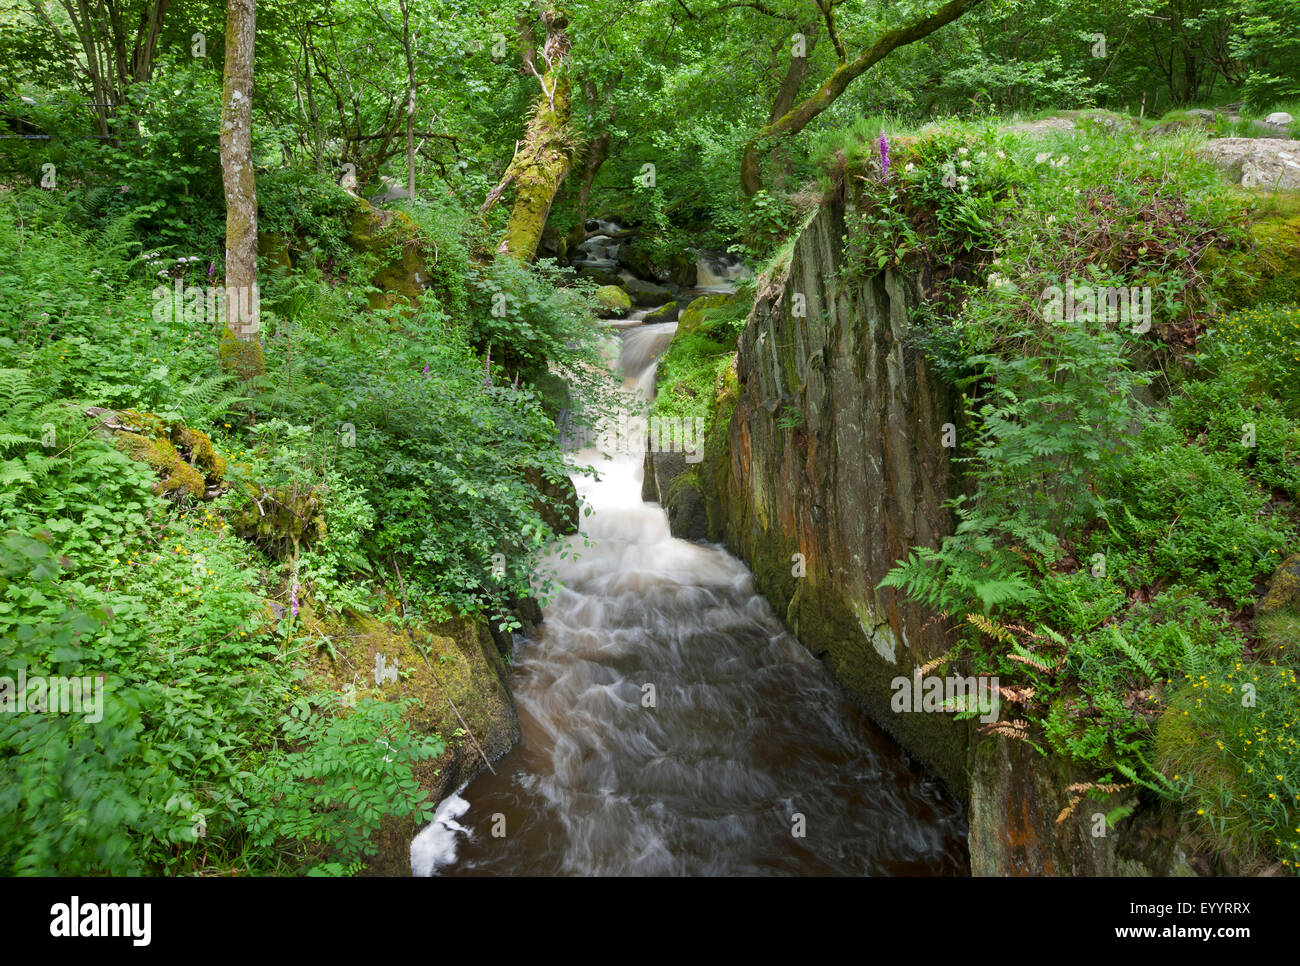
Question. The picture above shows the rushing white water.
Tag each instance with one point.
(719, 272)
(670, 725)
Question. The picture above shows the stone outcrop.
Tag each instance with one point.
(470, 675)
(394, 238)
(1017, 798)
(1272, 163)
(834, 453)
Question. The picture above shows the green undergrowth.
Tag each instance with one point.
(377, 443)
(1133, 478)
(690, 371)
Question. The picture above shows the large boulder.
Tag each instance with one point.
(614, 302)
(683, 269)
(1283, 590)
(1272, 163)
(647, 293)
(403, 274)
(690, 319)
(636, 260)
(665, 313)
(600, 274)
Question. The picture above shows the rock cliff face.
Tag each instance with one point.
(831, 466)
(824, 464)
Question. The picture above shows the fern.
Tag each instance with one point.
(208, 397)
(1134, 655)
(17, 394)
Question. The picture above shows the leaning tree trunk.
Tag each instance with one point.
(542, 161)
(240, 352)
(798, 116)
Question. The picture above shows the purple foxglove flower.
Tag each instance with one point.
(884, 156)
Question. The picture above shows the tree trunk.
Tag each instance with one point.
(542, 162)
(408, 45)
(778, 160)
(597, 154)
(794, 120)
(240, 352)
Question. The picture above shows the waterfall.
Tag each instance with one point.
(670, 724)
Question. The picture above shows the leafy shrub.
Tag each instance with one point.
(1049, 423)
(1250, 433)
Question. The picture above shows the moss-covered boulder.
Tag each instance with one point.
(683, 269)
(458, 680)
(1268, 269)
(601, 275)
(1283, 590)
(176, 478)
(393, 238)
(1277, 615)
(613, 301)
(665, 313)
(635, 257)
(695, 312)
(184, 458)
(647, 293)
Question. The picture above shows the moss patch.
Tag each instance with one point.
(243, 358)
(1268, 270)
(176, 477)
(696, 312)
(183, 458)
(613, 300)
(466, 669)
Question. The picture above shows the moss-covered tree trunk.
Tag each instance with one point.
(543, 160)
(240, 351)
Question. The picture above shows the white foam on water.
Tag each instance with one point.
(436, 845)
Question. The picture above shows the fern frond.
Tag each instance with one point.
(209, 397)
(991, 628)
(1134, 655)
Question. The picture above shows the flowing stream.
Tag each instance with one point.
(671, 726)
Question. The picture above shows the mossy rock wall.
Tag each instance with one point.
(466, 669)
(1017, 797)
(859, 481)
